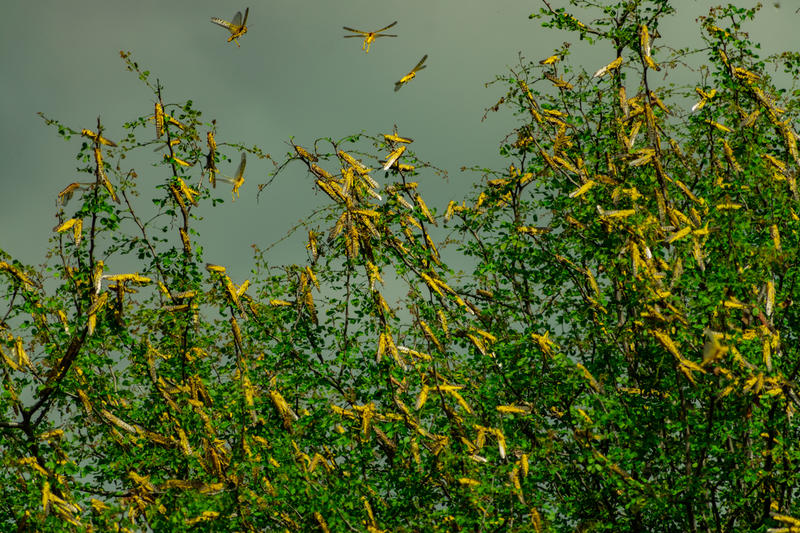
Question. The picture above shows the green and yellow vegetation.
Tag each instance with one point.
(623, 355)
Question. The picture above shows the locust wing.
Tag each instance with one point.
(369, 33)
(237, 20)
(362, 33)
(386, 28)
(240, 170)
(420, 65)
(224, 23)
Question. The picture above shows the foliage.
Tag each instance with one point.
(622, 358)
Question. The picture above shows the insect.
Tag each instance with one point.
(237, 27)
(392, 158)
(65, 195)
(238, 180)
(395, 138)
(369, 36)
(410, 76)
(611, 66)
(97, 137)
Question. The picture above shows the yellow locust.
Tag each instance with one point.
(237, 180)
(369, 36)
(237, 26)
(410, 76)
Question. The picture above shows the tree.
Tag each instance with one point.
(622, 357)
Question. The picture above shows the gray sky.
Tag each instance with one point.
(294, 75)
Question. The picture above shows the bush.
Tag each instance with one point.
(623, 356)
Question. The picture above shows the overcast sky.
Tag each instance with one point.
(294, 75)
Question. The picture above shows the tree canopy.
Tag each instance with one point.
(621, 356)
